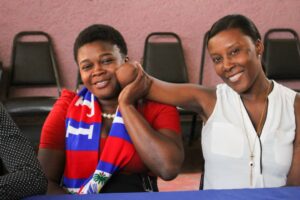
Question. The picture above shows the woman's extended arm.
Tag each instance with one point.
(188, 96)
(294, 174)
(23, 174)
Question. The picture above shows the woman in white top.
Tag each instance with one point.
(251, 133)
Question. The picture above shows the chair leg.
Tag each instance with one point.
(193, 127)
(201, 181)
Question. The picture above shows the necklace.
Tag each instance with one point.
(108, 116)
(258, 131)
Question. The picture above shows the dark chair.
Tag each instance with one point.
(164, 60)
(1, 71)
(79, 83)
(282, 55)
(33, 65)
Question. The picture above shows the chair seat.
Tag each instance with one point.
(29, 105)
(185, 112)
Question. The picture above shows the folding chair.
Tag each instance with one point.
(79, 83)
(33, 66)
(282, 55)
(1, 71)
(164, 60)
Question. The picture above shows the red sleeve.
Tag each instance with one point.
(161, 116)
(54, 131)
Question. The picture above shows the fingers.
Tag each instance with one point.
(140, 73)
(142, 82)
(143, 78)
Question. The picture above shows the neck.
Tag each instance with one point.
(258, 91)
(108, 106)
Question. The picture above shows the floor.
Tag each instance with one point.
(189, 178)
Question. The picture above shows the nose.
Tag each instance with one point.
(228, 64)
(98, 69)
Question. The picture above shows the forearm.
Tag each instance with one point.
(53, 162)
(163, 154)
(182, 95)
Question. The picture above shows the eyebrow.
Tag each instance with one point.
(230, 46)
(101, 55)
(227, 47)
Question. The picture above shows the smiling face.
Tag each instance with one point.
(236, 58)
(98, 62)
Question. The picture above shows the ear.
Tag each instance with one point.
(126, 59)
(259, 47)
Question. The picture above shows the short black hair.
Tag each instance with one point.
(235, 21)
(100, 32)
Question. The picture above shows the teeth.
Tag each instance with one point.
(235, 77)
(101, 84)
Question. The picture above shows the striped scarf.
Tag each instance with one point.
(84, 172)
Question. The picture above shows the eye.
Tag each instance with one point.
(86, 67)
(217, 59)
(234, 51)
(107, 61)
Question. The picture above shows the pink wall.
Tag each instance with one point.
(135, 19)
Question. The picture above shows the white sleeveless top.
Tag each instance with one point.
(225, 144)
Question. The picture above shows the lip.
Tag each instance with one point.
(235, 77)
(101, 84)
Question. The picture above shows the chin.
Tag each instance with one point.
(107, 93)
(238, 87)
(108, 96)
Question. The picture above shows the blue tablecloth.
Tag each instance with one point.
(286, 193)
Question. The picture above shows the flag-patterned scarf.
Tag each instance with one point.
(84, 172)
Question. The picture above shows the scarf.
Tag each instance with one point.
(84, 172)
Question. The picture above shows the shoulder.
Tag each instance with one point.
(67, 94)
(2, 110)
(149, 106)
(153, 110)
(284, 90)
(161, 116)
(65, 98)
(53, 131)
(285, 93)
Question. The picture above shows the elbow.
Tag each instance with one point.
(169, 174)
(170, 170)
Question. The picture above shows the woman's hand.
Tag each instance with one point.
(127, 73)
(134, 81)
